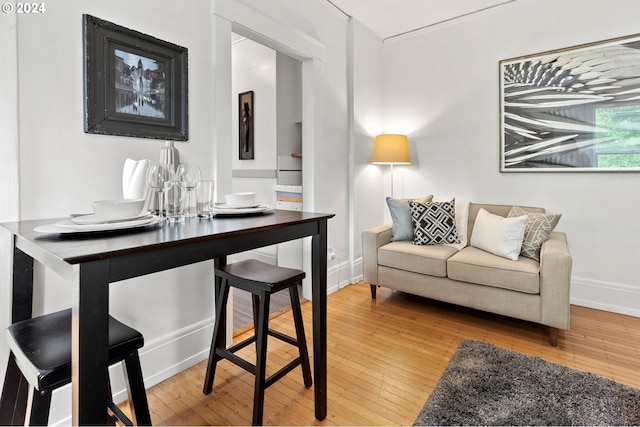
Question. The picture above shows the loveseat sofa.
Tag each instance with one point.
(464, 274)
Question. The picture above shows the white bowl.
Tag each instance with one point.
(240, 200)
(122, 208)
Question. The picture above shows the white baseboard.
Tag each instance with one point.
(607, 296)
(339, 274)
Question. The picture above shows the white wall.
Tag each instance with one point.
(441, 87)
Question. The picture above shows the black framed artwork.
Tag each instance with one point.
(575, 109)
(245, 125)
(134, 84)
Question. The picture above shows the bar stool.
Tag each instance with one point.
(42, 350)
(261, 280)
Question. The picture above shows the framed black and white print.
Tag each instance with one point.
(134, 84)
(574, 109)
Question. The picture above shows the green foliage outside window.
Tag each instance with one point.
(621, 127)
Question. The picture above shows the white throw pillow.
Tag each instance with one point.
(499, 235)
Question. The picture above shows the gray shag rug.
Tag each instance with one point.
(488, 385)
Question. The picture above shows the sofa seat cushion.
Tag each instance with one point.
(474, 265)
(431, 259)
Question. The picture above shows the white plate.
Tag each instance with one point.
(67, 226)
(239, 211)
(226, 206)
(97, 219)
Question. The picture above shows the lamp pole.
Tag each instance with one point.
(391, 165)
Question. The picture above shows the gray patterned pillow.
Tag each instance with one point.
(538, 229)
(401, 217)
(434, 223)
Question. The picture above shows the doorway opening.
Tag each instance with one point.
(275, 79)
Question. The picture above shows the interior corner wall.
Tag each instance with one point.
(367, 104)
(441, 87)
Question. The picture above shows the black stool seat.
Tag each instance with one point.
(261, 280)
(42, 350)
(252, 275)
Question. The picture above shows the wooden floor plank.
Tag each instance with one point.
(385, 357)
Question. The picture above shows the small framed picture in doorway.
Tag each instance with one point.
(245, 125)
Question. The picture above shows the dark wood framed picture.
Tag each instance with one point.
(134, 84)
(245, 125)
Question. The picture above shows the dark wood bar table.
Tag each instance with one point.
(91, 261)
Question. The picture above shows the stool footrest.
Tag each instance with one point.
(282, 372)
(252, 339)
(230, 355)
(242, 344)
(237, 360)
(117, 414)
(283, 337)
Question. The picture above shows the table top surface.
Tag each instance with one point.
(80, 247)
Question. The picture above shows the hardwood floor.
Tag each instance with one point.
(385, 357)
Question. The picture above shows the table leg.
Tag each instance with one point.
(15, 390)
(90, 343)
(319, 303)
(22, 291)
(221, 340)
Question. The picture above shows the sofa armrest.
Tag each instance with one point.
(372, 239)
(555, 281)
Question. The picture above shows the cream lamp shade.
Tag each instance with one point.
(391, 149)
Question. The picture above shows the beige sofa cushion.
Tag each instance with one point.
(431, 260)
(474, 265)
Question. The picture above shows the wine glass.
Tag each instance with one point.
(159, 175)
(190, 175)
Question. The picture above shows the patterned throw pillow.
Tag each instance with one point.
(538, 229)
(434, 223)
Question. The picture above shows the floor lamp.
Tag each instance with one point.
(391, 150)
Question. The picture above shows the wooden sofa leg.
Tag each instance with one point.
(373, 291)
(553, 336)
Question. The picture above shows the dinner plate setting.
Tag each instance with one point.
(225, 209)
(99, 219)
(94, 223)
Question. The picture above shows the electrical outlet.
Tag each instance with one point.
(331, 255)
